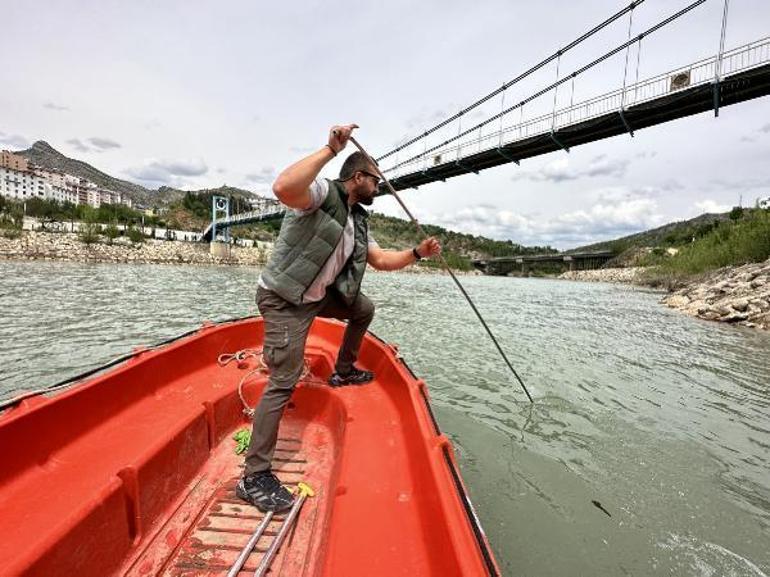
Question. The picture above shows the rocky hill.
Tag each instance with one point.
(47, 156)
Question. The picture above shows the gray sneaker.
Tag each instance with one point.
(356, 376)
(264, 491)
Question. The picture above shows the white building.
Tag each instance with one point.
(22, 180)
(23, 185)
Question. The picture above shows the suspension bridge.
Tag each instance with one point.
(447, 149)
(267, 209)
(722, 79)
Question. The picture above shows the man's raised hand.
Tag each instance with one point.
(429, 247)
(339, 136)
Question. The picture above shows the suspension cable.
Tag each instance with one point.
(628, 52)
(547, 89)
(523, 75)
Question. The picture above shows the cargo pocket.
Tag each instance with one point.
(276, 345)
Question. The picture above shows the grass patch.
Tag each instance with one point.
(741, 241)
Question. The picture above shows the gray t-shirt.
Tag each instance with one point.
(319, 190)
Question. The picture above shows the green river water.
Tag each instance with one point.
(662, 419)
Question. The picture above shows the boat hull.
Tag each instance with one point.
(131, 472)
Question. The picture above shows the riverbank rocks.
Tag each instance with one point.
(32, 245)
(738, 295)
(615, 275)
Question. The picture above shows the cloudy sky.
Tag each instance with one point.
(196, 94)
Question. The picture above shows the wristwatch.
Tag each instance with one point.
(416, 254)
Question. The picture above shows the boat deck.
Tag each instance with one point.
(206, 534)
(143, 465)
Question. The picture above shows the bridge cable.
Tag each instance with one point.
(555, 94)
(625, 68)
(718, 63)
(444, 263)
(547, 89)
(638, 61)
(523, 75)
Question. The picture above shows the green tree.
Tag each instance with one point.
(89, 229)
(135, 235)
(111, 232)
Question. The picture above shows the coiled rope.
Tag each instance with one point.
(241, 357)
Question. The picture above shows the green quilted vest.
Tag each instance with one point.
(306, 242)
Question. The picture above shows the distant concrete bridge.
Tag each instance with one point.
(573, 261)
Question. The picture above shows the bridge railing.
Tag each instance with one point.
(698, 73)
(262, 213)
(253, 214)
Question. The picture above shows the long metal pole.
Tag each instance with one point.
(236, 568)
(443, 262)
(304, 493)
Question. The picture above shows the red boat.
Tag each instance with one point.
(131, 471)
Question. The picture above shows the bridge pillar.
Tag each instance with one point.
(219, 249)
(220, 206)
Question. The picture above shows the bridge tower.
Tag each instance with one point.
(220, 206)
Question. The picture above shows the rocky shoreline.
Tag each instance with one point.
(613, 275)
(739, 295)
(35, 245)
(31, 245)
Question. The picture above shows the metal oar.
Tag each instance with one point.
(236, 568)
(304, 492)
(443, 262)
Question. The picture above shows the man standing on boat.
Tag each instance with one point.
(315, 270)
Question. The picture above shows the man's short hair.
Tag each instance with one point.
(353, 163)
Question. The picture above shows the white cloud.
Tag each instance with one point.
(93, 144)
(617, 213)
(14, 141)
(102, 144)
(560, 170)
(167, 172)
(264, 176)
(78, 145)
(711, 206)
(57, 107)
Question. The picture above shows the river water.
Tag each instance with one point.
(661, 419)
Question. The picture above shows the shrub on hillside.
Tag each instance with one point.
(743, 241)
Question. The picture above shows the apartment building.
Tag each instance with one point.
(22, 180)
(13, 161)
(23, 185)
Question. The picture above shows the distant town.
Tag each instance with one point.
(23, 180)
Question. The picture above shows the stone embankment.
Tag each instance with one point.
(616, 275)
(733, 294)
(66, 246)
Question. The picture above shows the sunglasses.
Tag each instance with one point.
(369, 174)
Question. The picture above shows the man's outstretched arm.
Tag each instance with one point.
(291, 186)
(397, 259)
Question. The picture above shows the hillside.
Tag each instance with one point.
(191, 210)
(671, 234)
(397, 233)
(47, 156)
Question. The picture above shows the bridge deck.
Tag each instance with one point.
(733, 89)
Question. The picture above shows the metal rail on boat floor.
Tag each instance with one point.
(303, 491)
